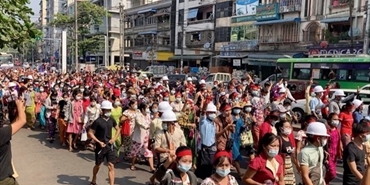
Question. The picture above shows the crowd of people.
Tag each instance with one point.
(190, 132)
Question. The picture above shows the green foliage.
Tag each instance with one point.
(15, 23)
(330, 38)
(89, 14)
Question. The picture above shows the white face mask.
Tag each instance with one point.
(287, 131)
(335, 123)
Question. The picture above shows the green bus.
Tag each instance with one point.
(348, 72)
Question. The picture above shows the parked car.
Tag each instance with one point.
(298, 88)
(299, 108)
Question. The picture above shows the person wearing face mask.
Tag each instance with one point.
(207, 131)
(311, 158)
(222, 163)
(239, 127)
(101, 132)
(173, 95)
(74, 118)
(140, 137)
(29, 97)
(316, 104)
(267, 167)
(354, 154)
(92, 113)
(62, 107)
(246, 135)
(334, 105)
(287, 150)
(334, 147)
(176, 169)
(346, 123)
(291, 117)
(166, 96)
(170, 135)
(129, 114)
(357, 113)
(259, 105)
(177, 105)
(40, 108)
(51, 105)
(9, 100)
(269, 125)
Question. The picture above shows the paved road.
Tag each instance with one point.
(40, 162)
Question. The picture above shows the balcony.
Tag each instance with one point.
(279, 33)
(163, 26)
(286, 6)
(339, 3)
(200, 15)
(198, 39)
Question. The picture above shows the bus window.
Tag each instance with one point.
(302, 73)
(362, 72)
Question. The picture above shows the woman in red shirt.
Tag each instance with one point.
(346, 118)
(267, 166)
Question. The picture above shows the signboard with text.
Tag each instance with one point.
(246, 7)
(267, 12)
(337, 50)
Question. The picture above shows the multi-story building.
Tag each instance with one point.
(194, 32)
(43, 25)
(149, 32)
(51, 37)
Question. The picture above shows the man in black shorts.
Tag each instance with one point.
(101, 133)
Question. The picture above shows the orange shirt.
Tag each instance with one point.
(346, 122)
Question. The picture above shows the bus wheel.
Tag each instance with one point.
(299, 113)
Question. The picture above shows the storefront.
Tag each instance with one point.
(143, 59)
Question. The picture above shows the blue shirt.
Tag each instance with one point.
(357, 116)
(207, 131)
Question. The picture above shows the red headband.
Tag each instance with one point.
(222, 153)
(184, 153)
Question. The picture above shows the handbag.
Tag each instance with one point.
(246, 138)
(126, 128)
(84, 135)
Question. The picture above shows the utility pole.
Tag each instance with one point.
(122, 34)
(367, 29)
(351, 22)
(76, 36)
(106, 55)
(182, 46)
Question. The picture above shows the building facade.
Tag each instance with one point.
(149, 32)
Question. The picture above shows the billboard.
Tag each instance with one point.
(246, 7)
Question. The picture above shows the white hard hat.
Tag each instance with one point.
(211, 108)
(339, 93)
(169, 116)
(106, 105)
(30, 77)
(165, 78)
(357, 103)
(164, 106)
(202, 82)
(189, 79)
(12, 84)
(317, 129)
(318, 89)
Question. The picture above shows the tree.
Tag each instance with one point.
(89, 14)
(15, 23)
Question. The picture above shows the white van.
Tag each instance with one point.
(221, 77)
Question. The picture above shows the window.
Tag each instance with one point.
(279, 33)
(302, 73)
(222, 34)
(181, 17)
(209, 78)
(290, 5)
(335, 3)
(151, 20)
(196, 37)
(224, 9)
(139, 21)
(362, 72)
(242, 33)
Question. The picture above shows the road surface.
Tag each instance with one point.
(39, 162)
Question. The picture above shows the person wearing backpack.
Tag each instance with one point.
(311, 157)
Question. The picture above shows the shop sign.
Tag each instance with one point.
(338, 50)
(139, 55)
(246, 7)
(247, 18)
(268, 12)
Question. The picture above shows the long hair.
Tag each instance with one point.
(266, 140)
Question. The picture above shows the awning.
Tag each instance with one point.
(193, 13)
(297, 20)
(147, 32)
(261, 62)
(147, 10)
(335, 19)
(226, 57)
(189, 57)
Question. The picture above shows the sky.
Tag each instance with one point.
(36, 8)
